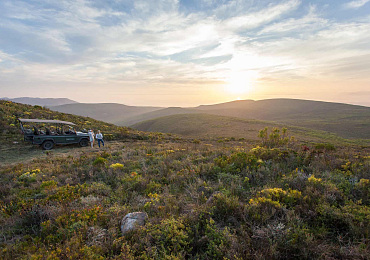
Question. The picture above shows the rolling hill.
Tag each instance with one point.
(47, 102)
(157, 114)
(347, 121)
(13, 147)
(107, 112)
(215, 126)
(210, 199)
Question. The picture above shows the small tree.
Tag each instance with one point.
(273, 139)
(263, 135)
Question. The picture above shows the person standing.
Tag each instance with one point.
(91, 136)
(99, 137)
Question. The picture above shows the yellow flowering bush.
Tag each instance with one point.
(116, 166)
(314, 180)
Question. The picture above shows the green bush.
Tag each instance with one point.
(274, 139)
(168, 239)
(325, 147)
(99, 161)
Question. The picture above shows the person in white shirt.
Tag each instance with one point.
(91, 136)
(99, 137)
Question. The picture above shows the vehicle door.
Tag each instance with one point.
(70, 136)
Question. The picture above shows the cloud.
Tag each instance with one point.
(124, 44)
(253, 20)
(308, 23)
(356, 4)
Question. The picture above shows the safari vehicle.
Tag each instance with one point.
(52, 132)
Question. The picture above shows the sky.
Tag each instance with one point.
(185, 52)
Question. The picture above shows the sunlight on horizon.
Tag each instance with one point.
(239, 83)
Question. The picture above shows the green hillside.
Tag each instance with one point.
(14, 147)
(41, 101)
(158, 113)
(214, 126)
(348, 121)
(203, 200)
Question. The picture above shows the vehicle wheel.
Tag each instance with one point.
(47, 145)
(84, 142)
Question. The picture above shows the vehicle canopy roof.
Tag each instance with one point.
(23, 120)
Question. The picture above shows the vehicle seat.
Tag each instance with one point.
(48, 132)
(35, 130)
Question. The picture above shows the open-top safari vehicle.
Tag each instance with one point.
(48, 133)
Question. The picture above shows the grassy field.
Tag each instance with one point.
(213, 126)
(204, 200)
(265, 198)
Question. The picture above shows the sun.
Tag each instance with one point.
(238, 83)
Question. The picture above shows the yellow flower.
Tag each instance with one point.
(116, 166)
(312, 179)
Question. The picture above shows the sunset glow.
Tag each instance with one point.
(238, 84)
(185, 53)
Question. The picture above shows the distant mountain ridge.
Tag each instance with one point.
(45, 102)
(348, 121)
(109, 112)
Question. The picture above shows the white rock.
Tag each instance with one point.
(132, 221)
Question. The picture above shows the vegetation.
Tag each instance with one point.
(13, 148)
(10, 112)
(344, 120)
(205, 200)
(207, 126)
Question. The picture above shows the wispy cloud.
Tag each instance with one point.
(255, 19)
(125, 45)
(356, 4)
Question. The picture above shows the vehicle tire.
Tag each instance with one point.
(84, 142)
(47, 145)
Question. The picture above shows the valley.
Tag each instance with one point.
(233, 192)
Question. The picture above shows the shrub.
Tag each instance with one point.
(325, 147)
(262, 209)
(237, 162)
(105, 154)
(48, 185)
(208, 240)
(226, 209)
(289, 197)
(99, 161)
(314, 180)
(362, 191)
(29, 177)
(274, 139)
(170, 238)
(99, 188)
(116, 166)
(66, 194)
